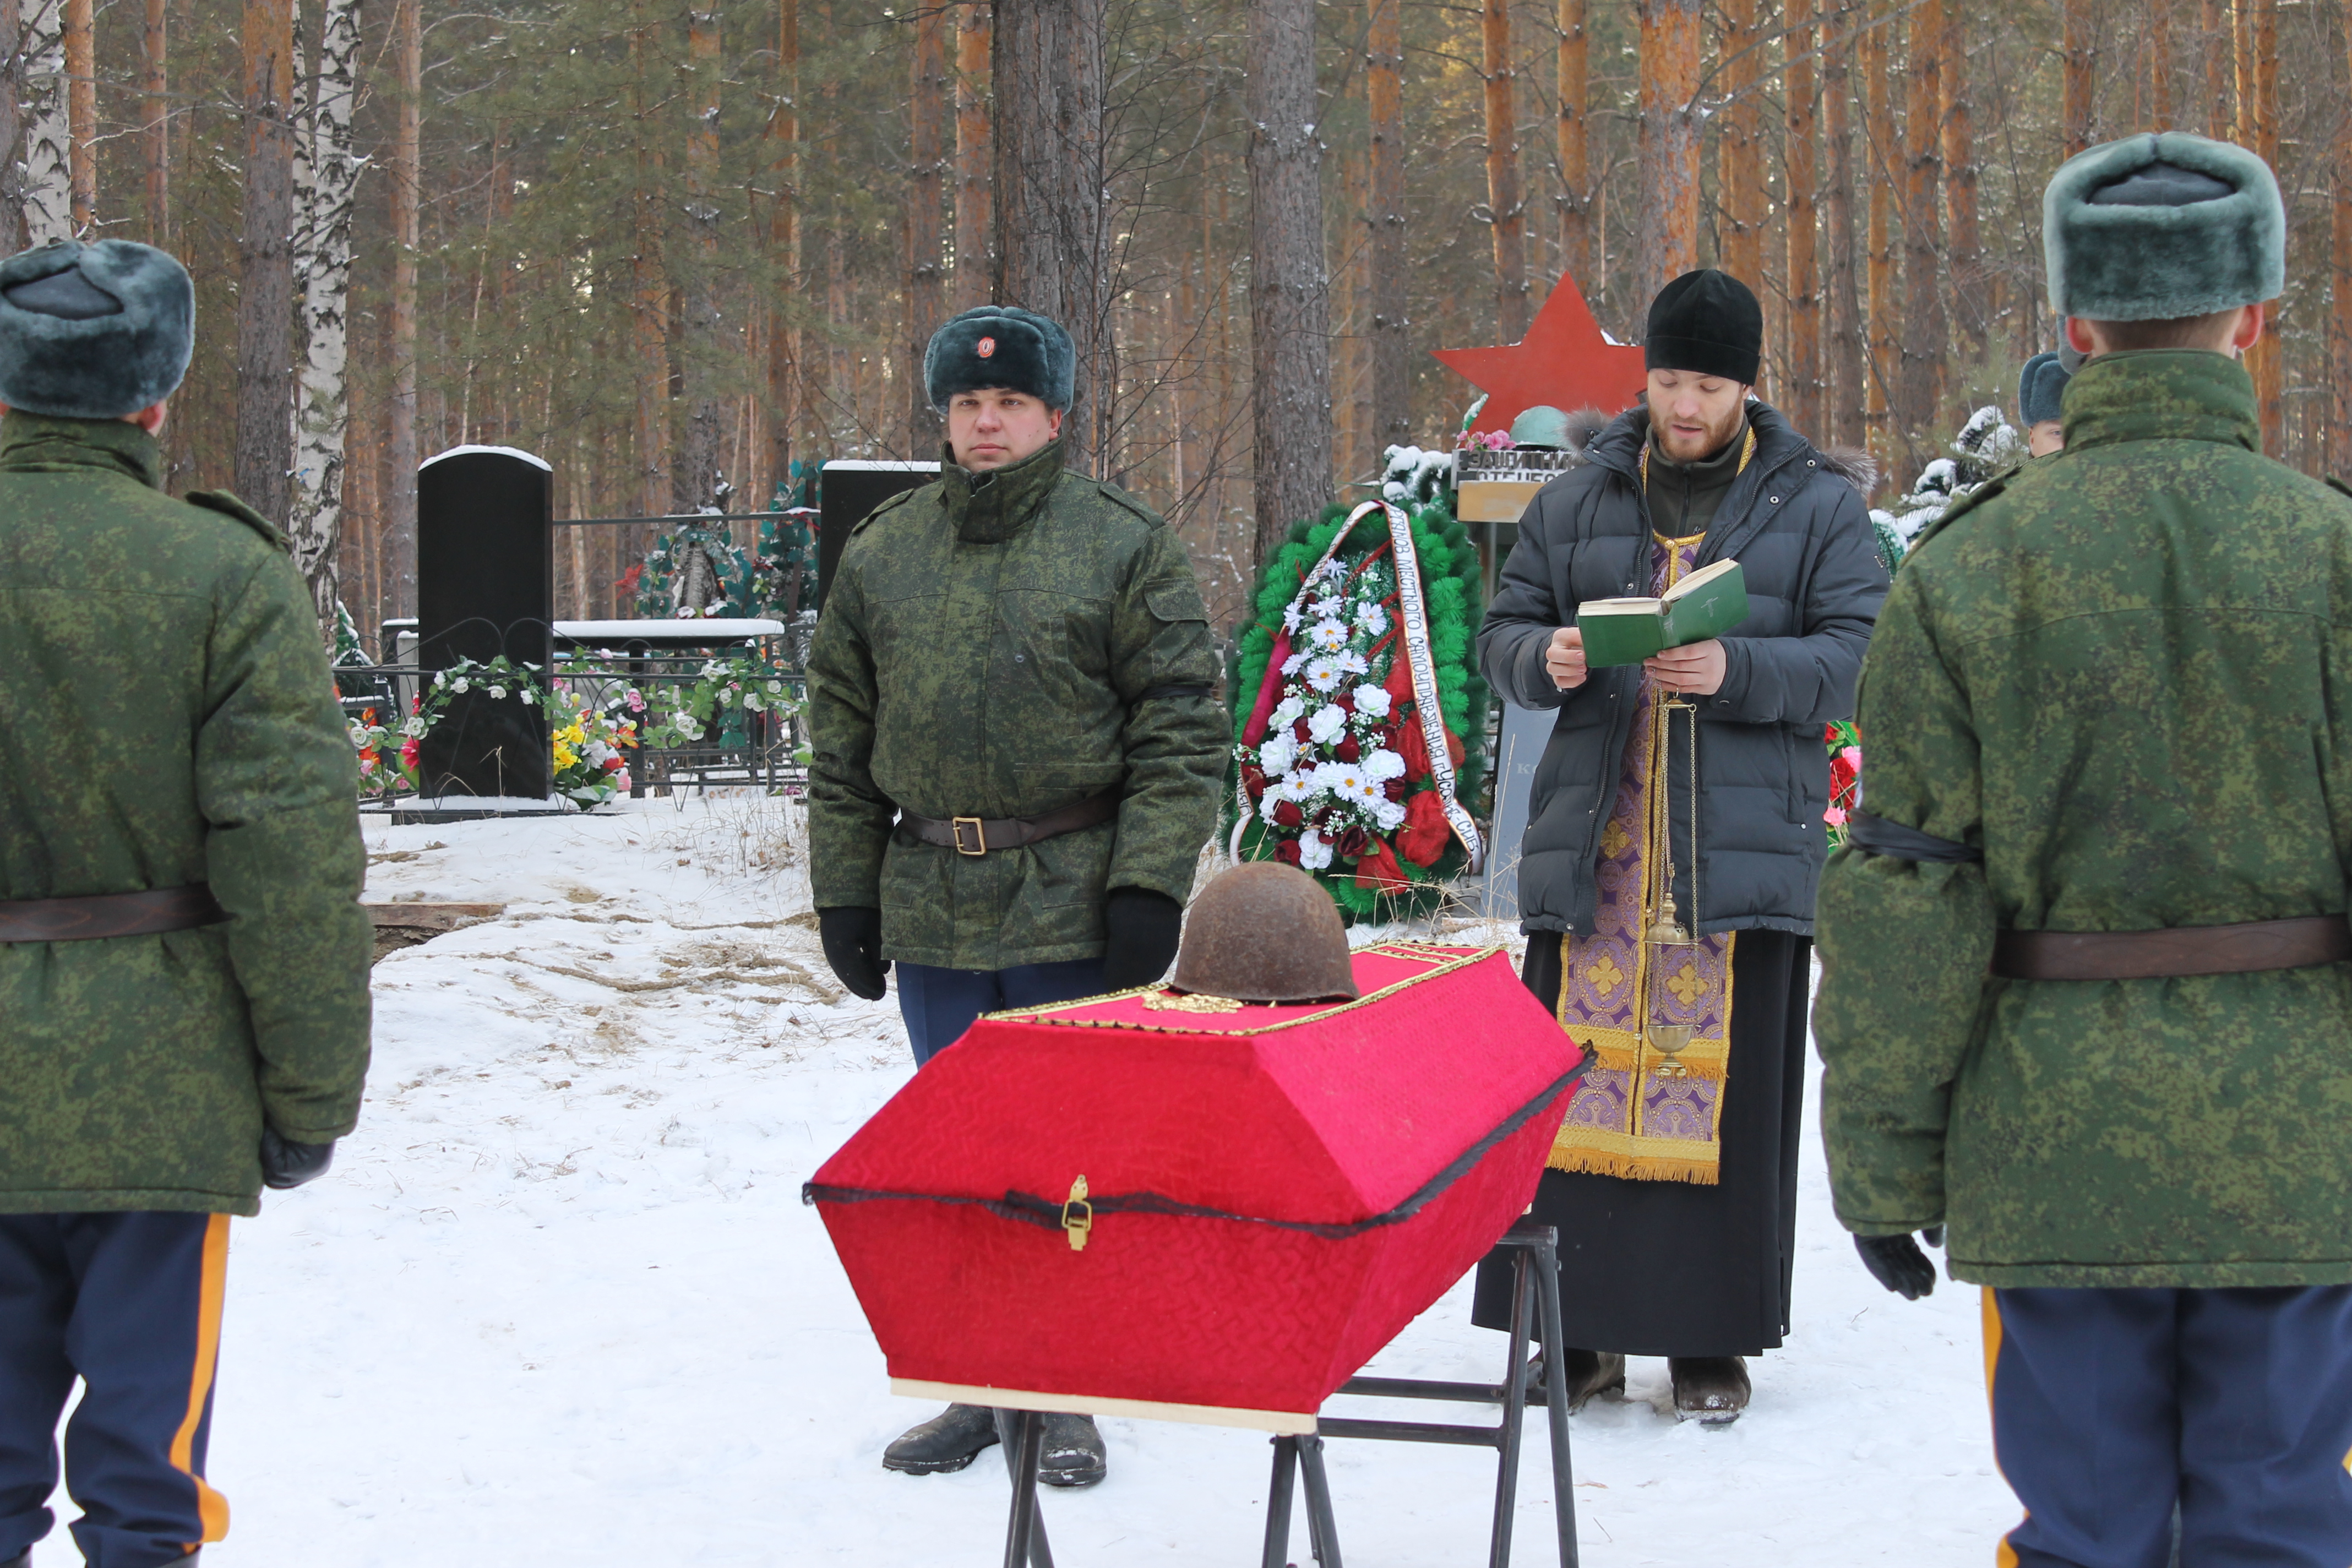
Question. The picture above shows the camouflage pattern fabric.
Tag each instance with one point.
(1006, 646)
(2125, 674)
(166, 717)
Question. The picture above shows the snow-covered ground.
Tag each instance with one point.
(559, 1303)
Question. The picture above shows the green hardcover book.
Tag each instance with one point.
(1706, 603)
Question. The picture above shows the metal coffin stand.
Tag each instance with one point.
(1535, 1295)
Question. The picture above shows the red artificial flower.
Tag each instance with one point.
(1288, 851)
(1393, 788)
(1353, 844)
(1301, 732)
(1348, 751)
(1254, 780)
(1287, 815)
(1345, 703)
(1378, 872)
(1425, 832)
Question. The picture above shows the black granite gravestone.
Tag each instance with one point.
(847, 489)
(485, 586)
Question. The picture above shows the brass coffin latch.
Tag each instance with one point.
(1078, 1215)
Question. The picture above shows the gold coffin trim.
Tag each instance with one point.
(1493, 501)
(1282, 1422)
(1440, 963)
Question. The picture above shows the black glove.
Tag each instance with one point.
(286, 1163)
(1896, 1262)
(853, 945)
(1139, 931)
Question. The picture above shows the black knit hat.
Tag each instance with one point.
(1706, 322)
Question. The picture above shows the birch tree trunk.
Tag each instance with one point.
(81, 112)
(928, 111)
(1842, 365)
(1573, 68)
(1290, 366)
(1507, 214)
(696, 482)
(322, 398)
(1665, 235)
(1385, 192)
(1925, 336)
(1053, 252)
(397, 537)
(975, 239)
(1804, 396)
(1739, 181)
(49, 144)
(265, 306)
(154, 124)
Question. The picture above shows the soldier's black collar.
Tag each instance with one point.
(991, 508)
(43, 443)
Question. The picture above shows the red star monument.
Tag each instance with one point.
(1564, 360)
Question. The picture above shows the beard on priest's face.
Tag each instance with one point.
(1693, 416)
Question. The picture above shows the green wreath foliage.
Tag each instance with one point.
(1455, 604)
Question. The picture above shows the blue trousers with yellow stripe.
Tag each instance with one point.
(130, 1304)
(2112, 1408)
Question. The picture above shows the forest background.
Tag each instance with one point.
(674, 250)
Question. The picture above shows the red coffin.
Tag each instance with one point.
(1270, 1194)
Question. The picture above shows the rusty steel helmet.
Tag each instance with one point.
(1264, 932)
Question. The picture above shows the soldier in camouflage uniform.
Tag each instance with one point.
(183, 1002)
(2085, 998)
(1018, 751)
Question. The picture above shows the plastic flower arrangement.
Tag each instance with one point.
(1844, 742)
(589, 740)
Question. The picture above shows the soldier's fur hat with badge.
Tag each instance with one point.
(2161, 227)
(1001, 346)
(2040, 385)
(93, 330)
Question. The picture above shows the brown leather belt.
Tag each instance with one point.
(985, 834)
(2174, 952)
(110, 914)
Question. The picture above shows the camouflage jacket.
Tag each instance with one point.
(166, 717)
(2123, 674)
(1007, 645)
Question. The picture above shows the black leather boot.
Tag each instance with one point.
(1711, 1390)
(1585, 1373)
(1074, 1452)
(948, 1441)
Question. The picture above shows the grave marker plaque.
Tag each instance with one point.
(485, 586)
(848, 489)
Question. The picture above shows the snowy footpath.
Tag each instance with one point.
(559, 1303)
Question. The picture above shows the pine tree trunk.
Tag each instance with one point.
(2266, 361)
(1046, 71)
(1799, 152)
(396, 541)
(696, 482)
(2158, 33)
(48, 146)
(1925, 337)
(975, 223)
(648, 332)
(2339, 244)
(929, 109)
(782, 335)
(154, 122)
(1665, 235)
(322, 398)
(2077, 34)
(81, 111)
(1574, 63)
(2241, 59)
(265, 305)
(1390, 330)
(1885, 351)
(1507, 214)
(1965, 248)
(1740, 182)
(1843, 365)
(1290, 366)
(2220, 55)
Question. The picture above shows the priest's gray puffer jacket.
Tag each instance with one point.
(1799, 528)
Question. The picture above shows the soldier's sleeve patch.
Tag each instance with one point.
(223, 502)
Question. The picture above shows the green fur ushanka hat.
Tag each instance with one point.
(1001, 346)
(2158, 227)
(93, 330)
(2040, 385)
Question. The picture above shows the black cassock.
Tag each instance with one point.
(1674, 1268)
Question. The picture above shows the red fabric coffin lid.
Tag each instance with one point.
(1318, 1116)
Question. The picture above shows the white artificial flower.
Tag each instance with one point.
(1371, 617)
(1290, 666)
(1314, 854)
(1328, 724)
(1290, 619)
(1290, 786)
(1285, 713)
(1350, 662)
(1380, 764)
(1323, 675)
(1327, 568)
(1389, 815)
(1328, 635)
(499, 692)
(1372, 701)
(1347, 781)
(460, 684)
(1278, 753)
